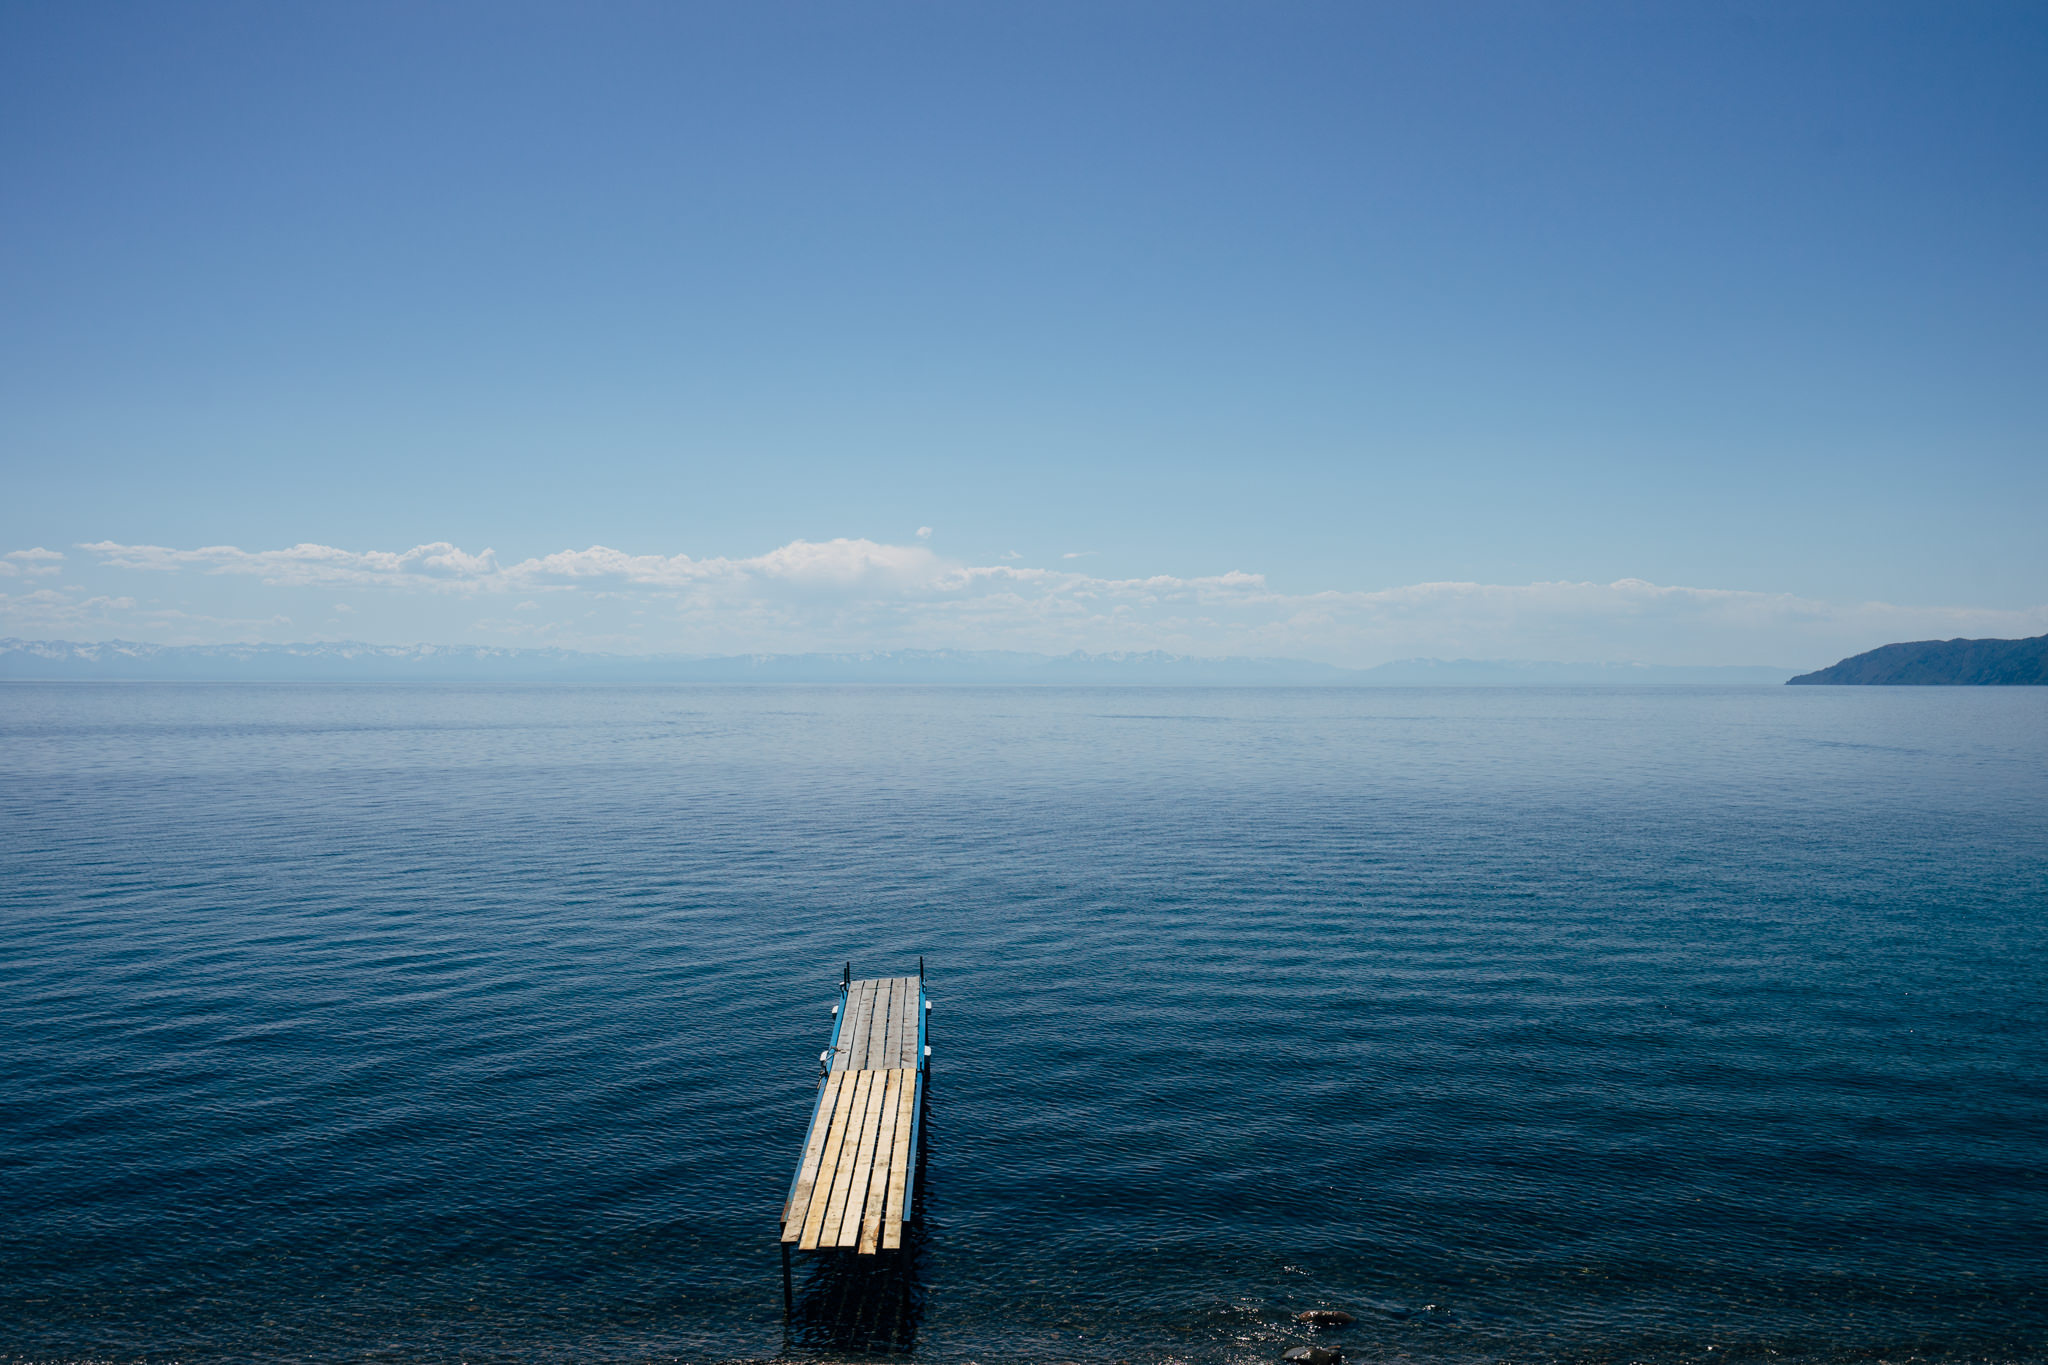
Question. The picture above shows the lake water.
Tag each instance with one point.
(473, 1024)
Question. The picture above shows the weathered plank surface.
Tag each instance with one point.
(892, 1041)
(911, 1025)
(828, 1168)
(842, 1175)
(878, 1023)
(878, 1167)
(814, 1152)
(900, 1157)
(864, 1158)
(860, 999)
(849, 1188)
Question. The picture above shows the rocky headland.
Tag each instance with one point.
(1941, 663)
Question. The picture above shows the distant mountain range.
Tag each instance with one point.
(23, 660)
(1942, 663)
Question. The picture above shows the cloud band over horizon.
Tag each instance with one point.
(858, 594)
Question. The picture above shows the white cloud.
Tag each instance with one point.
(862, 594)
(1077, 554)
(308, 564)
(200, 619)
(31, 563)
(59, 611)
(55, 609)
(833, 564)
(924, 533)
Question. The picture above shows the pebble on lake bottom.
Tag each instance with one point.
(1312, 1355)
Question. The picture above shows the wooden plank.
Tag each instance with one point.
(878, 1027)
(845, 1185)
(900, 1157)
(912, 1024)
(814, 1150)
(863, 1163)
(879, 1059)
(878, 1178)
(892, 1046)
(878, 1021)
(828, 1165)
(821, 1224)
(852, 1034)
(878, 1014)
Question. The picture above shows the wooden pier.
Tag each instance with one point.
(856, 1183)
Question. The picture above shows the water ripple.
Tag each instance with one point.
(1573, 1024)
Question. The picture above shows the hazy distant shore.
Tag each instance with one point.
(112, 660)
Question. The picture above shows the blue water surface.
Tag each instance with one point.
(481, 1024)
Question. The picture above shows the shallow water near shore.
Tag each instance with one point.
(447, 1023)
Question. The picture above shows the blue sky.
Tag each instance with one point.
(1691, 334)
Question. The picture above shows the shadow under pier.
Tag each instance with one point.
(850, 1302)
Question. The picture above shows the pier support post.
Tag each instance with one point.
(788, 1292)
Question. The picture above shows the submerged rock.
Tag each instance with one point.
(1325, 1317)
(1312, 1355)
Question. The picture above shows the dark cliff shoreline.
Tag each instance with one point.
(1940, 663)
